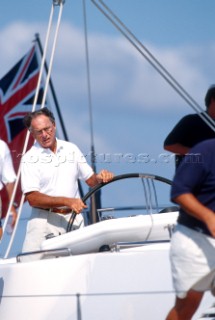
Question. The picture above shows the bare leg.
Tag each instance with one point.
(185, 308)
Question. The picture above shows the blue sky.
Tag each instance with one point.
(133, 107)
(161, 21)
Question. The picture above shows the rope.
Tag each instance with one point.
(52, 54)
(33, 108)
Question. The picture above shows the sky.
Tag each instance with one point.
(133, 107)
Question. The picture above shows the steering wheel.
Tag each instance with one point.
(116, 178)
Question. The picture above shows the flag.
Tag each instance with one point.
(17, 91)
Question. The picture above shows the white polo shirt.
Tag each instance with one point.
(54, 174)
(7, 173)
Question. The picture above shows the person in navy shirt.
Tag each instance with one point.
(192, 251)
(191, 129)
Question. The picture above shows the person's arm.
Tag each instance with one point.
(9, 187)
(102, 176)
(176, 141)
(177, 148)
(41, 200)
(196, 209)
(8, 177)
(1, 231)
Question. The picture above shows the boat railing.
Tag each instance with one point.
(102, 213)
(43, 254)
(115, 247)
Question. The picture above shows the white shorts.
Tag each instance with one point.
(192, 257)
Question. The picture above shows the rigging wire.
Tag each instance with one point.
(25, 146)
(95, 199)
(37, 40)
(89, 85)
(153, 61)
(52, 52)
(54, 4)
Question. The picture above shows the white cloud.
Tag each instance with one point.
(118, 72)
(120, 76)
(123, 84)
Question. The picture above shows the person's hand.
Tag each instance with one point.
(14, 216)
(1, 232)
(211, 224)
(104, 176)
(77, 205)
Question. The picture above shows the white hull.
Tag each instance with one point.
(133, 283)
(109, 284)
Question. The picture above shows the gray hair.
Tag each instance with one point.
(32, 115)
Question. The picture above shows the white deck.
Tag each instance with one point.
(126, 284)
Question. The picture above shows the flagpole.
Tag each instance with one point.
(37, 39)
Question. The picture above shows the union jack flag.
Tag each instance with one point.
(17, 91)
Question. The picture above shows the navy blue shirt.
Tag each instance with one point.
(196, 175)
(189, 131)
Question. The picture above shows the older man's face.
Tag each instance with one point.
(44, 130)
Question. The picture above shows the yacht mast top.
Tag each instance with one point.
(58, 2)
